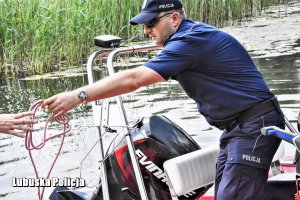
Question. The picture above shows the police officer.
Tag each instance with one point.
(217, 72)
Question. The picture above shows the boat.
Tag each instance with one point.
(154, 158)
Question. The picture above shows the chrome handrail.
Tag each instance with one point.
(97, 115)
(112, 53)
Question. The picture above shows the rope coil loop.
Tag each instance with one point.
(30, 146)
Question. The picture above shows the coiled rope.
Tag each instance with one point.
(30, 146)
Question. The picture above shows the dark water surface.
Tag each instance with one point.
(281, 73)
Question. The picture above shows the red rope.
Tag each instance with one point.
(30, 146)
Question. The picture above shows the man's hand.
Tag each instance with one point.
(62, 103)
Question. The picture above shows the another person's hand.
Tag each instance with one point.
(61, 103)
(10, 123)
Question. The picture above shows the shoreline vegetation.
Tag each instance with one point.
(40, 36)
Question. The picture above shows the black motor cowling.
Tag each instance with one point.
(156, 139)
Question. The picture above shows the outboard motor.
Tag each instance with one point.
(156, 139)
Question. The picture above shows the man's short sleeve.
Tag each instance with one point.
(175, 57)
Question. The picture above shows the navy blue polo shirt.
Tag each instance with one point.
(214, 69)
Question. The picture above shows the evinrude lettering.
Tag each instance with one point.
(144, 162)
(251, 158)
(150, 166)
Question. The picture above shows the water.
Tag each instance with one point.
(274, 43)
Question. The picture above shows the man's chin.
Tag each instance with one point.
(158, 42)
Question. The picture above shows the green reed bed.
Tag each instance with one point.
(225, 12)
(37, 36)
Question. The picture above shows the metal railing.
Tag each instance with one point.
(99, 108)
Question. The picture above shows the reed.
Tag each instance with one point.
(37, 36)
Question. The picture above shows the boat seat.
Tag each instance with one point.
(183, 171)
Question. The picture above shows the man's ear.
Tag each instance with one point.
(176, 18)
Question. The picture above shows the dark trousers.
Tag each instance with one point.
(245, 157)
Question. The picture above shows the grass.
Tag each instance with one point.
(37, 36)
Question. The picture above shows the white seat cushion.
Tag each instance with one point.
(191, 171)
